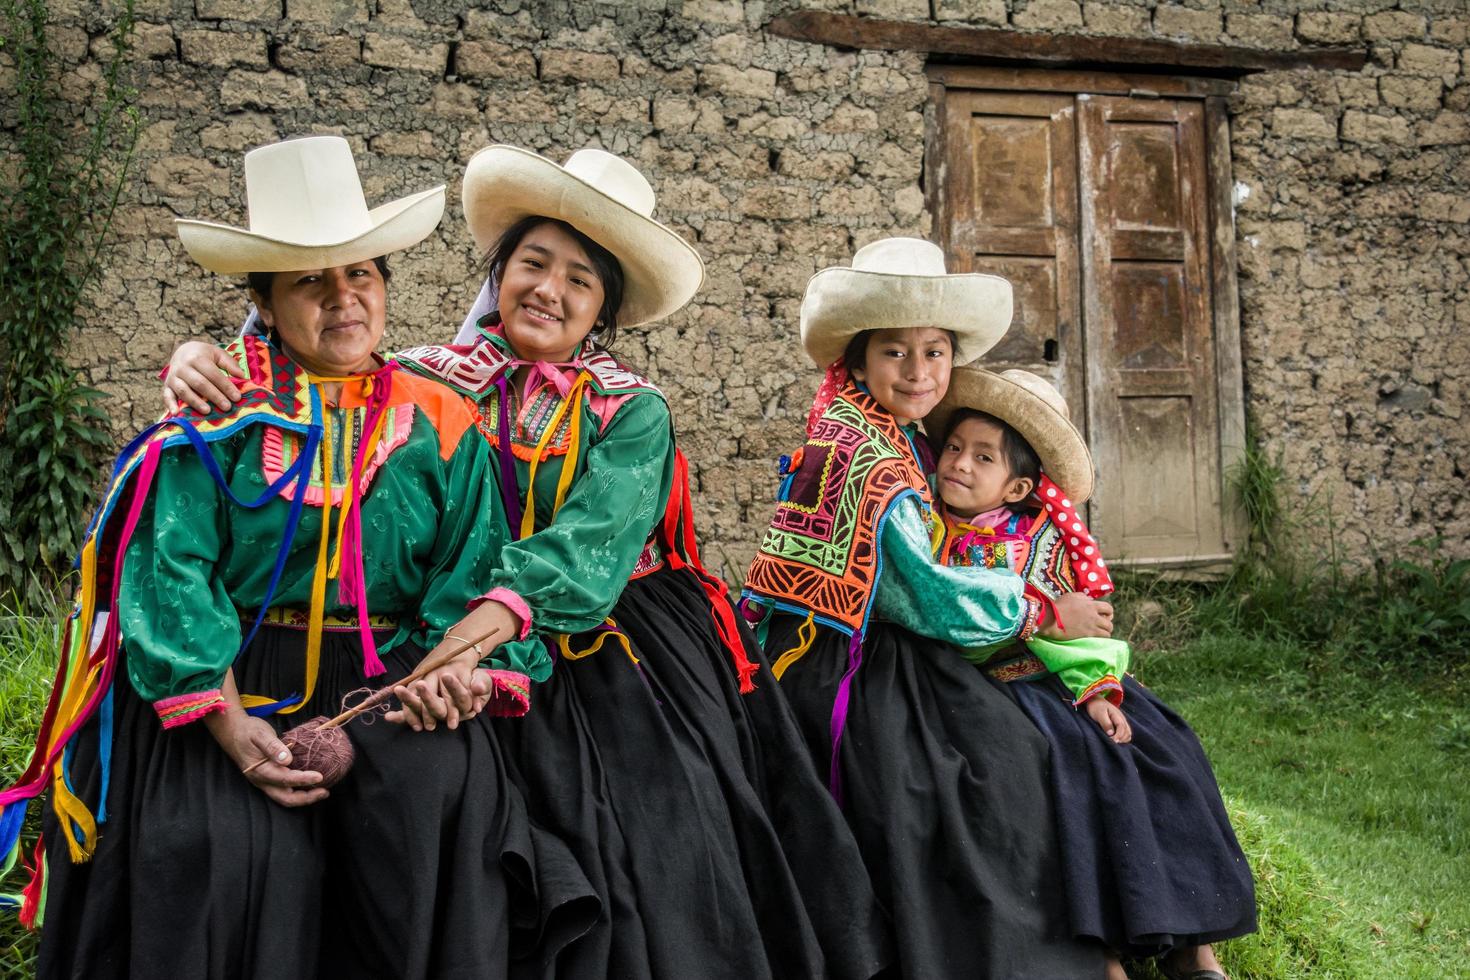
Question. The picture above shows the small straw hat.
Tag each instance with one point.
(605, 198)
(898, 283)
(307, 212)
(1031, 406)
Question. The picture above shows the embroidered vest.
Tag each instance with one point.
(821, 553)
(1033, 549)
(1049, 547)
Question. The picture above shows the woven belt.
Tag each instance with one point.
(1010, 665)
(298, 619)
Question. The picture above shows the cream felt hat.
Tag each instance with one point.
(1034, 408)
(898, 283)
(605, 198)
(307, 212)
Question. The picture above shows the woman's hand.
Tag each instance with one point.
(457, 691)
(1110, 719)
(247, 740)
(199, 376)
(1075, 615)
(454, 693)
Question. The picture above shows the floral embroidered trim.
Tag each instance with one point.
(510, 694)
(1107, 686)
(1032, 617)
(184, 708)
(650, 559)
(530, 425)
(278, 452)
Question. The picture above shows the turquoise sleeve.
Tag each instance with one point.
(965, 606)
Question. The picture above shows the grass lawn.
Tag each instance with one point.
(1348, 791)
(1358, 783)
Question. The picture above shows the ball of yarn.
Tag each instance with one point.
(317, 749)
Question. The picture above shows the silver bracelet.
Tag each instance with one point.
(468, 645)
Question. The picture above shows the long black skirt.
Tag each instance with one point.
(945, 785)
(422, 862)
(707, 831)
(1150, 859)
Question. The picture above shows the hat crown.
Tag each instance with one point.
(613, 176)
(305, 191)
(1041, 388)
(900, 257)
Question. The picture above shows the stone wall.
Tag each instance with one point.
(777, 157)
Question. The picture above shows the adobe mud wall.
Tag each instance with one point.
(778, 157)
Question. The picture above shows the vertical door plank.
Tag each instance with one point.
(1010, 188)
(1229, 370)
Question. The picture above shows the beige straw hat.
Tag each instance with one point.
(307, 212)
(898, 283)
(605, 198)
(1035, 409)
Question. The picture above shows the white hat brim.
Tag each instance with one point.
(841, 302)
(1061, 448)
(236, 251)
(503, 184)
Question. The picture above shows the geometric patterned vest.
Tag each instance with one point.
(821, 553)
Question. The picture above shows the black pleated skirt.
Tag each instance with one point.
(705, 827)
(1150, 859)
(421, 863)
(946, 787)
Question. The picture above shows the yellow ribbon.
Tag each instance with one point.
(572, 402)
(79, 680)
(563, 641)
(806, 635)
(318, 580)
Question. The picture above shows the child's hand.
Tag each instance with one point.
(1110, 719)
(1080, 615)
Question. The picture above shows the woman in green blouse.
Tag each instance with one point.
(252, 541)
(658, 747)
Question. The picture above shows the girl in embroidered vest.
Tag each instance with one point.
(658, 745)
(1150, 863)
(942, 781)
(208, 621)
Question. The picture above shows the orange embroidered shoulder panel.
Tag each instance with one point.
(821, 553)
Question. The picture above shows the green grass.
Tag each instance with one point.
(27, 663)
(1351, 786)
(1347, 790)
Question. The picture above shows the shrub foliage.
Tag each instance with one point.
(56, 206)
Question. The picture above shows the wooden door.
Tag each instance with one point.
(1012, 180)
(1104, 211)
(1153, 406)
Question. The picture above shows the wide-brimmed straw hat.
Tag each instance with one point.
(1034, 408)
(605, 198)
(899, 283)
(307, 212)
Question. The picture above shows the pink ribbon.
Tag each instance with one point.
(352, 580)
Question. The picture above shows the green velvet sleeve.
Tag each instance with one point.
(180, 631)
(1089, 666)
(471, 533)
(572, 571)
(964, 606)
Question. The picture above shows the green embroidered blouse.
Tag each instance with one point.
(432, 528)
(572, 570)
